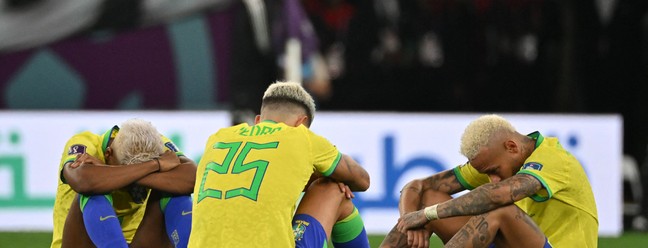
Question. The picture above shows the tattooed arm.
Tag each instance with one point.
(491, 196)
(349, 172)
(445, 182)
(478, 201)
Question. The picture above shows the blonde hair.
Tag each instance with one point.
(480, 131)
(137, 141)
(290, 92)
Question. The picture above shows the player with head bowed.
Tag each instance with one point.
(526, 191)
(250, 178)
(129, 186)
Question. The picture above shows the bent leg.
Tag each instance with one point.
(507, 227)
(151, 231)
(74, 232)
(444, 228)
(101, 222)
(177, 218)
(337, 215)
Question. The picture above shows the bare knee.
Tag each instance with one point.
(514, 227)
(324, 185)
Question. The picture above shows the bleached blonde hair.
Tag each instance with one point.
(137, 141)
(290, 92)
(480, 131)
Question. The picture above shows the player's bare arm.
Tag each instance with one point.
(410, 201)
(478, 201)
(88, 175)
(348, 193)
(349, 172)
(491, 196)
(179, 180)
(445, 182)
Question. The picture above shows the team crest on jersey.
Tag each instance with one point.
(532, 166)
(171, 146)
(299, 227)
(77, 149)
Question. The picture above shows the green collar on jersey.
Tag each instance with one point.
(537, 137)
(271, 121)
(108, 136)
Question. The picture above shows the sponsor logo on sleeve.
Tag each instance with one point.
(77, 149)
(532, 166)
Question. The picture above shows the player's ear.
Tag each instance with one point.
(108, 153)
(511, 146)
(257, 119)
(303, 120)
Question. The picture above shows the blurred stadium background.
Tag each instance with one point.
(395, 81)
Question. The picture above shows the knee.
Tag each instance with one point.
(505, 213)
(324, 185)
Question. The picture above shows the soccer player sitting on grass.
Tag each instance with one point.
(112, 174)
(526, 191)
(250, 177)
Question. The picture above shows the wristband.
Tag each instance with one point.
(158, 163)
(431, 212)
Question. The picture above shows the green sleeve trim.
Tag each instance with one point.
(333, 165)
(537, 197)
(461, 179)
(347, 229)
(83, 200)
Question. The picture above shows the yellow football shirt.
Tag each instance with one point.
(564, 209)
(248, 181)
(128, 211)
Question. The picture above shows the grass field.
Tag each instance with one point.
(43, 239)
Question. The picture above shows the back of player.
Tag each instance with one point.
(248, 181)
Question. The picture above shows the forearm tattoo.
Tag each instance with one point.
(491, 196)
(442, 182)
(394, 239)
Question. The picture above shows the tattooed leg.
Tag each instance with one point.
(508, 227)
(475, 233)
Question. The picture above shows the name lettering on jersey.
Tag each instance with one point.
(532, 166)
(171, 146)
(299, 228)
(77, 149)
(258, 131)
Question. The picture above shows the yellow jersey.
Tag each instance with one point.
(564, 208)
(129, 211)
(248, 181)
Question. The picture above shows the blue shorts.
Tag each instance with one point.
(308, 232)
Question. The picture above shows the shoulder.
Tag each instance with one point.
(85, 138)
(84, 142)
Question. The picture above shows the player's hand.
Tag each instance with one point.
(346, 190)
(418, 238)
(411, 220)
(168, 161)
(85, 159)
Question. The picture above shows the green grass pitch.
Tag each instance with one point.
(43, 239)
